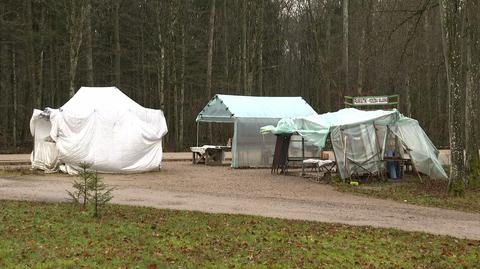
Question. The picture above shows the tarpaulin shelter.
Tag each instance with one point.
(101, 126)
(360, 139)
(248, 114)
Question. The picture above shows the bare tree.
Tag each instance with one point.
(174, 79)
(246, 89)
(211, 31)
(75, 25)
(15, 101)
(182, 80)
(88, 43)
(472, 115)
(345, 45)
(116, 41)
(451, 28)
(226, 64)
(260, 48)
(161, 57)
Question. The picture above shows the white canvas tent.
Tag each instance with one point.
(248, 114)
(360, 139)
(101, 126)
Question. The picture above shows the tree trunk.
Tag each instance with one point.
(174, 80)
(361, 63)
(88, 44)
(328, 45)
(116, 40)
(31, 67)
(244, 48)
(450, 11)
(182, 90)
(76, 23)
(211, 31)
(161, 59)
(5, 86)
(225, 39)
(14, 91)
(427, 108)
(408, 95)
(345, 45)
(472, 115)
(260, 50)
(142, 63)
(38, 102)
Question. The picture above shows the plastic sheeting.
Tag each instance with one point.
(249, 148)
(316, 128)
(227, 108)
(249, 113)
(424, 154)
(359, 139)
(102, 127)
(356, 150)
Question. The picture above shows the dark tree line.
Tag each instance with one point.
(176, 54)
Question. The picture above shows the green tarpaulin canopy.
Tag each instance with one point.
(361, 137)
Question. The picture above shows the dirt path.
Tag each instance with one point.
(180, 185)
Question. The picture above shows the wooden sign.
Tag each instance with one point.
(370, 100)
(385, 101)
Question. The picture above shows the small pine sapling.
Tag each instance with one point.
(80, 193)
(98, 193)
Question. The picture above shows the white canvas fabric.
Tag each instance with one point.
(45, 153)
(100, 126)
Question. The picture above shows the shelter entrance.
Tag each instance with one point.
(218, 140)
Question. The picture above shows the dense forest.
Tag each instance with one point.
(176, 54)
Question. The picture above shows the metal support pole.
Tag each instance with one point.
(197, 132)
(303, 156)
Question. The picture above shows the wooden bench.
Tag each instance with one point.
(321, 166)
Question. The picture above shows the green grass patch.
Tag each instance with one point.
(43, 235)
(430, 192)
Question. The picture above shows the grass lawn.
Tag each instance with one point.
(428, 193)
(43, 235)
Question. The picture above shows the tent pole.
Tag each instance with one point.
(345, 157)
(303, 156)
(197, 132)
(379, 148)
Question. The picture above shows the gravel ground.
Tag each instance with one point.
(181, 185)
